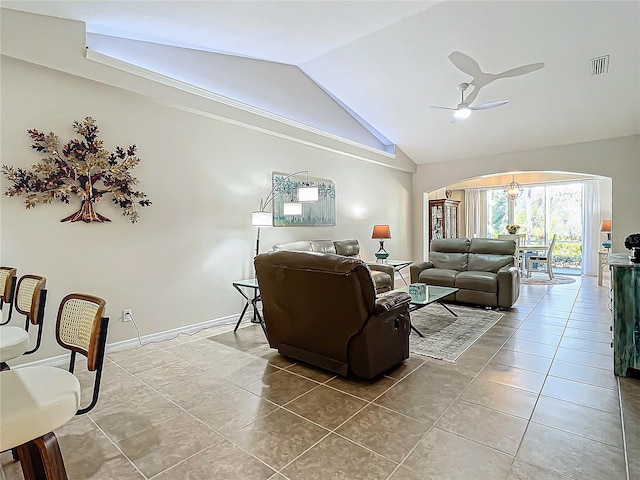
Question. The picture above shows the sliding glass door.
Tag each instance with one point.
(542, 211)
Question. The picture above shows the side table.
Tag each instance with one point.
(250, 284)
(603, 261)
(399, 265)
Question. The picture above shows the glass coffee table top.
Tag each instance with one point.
(434, 294)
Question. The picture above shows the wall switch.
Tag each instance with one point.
(127, 313)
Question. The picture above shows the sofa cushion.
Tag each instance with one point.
(348, 248)
(488, 263)
(321, 246)
(494, 246)
(481, 281)
(450, 245)
(449, 261)
(439, 276)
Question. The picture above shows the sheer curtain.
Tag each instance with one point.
(473, 212)
(590, 227)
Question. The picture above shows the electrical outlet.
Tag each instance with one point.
(127, 313)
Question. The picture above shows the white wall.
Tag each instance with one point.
(204, 176)
(617, 158)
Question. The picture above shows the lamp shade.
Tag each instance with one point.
(261, 219)
(308, 194)
(605, 226)
(292, 208)
(381, 231)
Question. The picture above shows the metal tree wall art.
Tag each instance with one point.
(81, 168)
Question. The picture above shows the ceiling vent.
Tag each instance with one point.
(599, 65)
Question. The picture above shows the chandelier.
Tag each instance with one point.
(512, 190)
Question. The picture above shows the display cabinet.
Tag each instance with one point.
(443, 218)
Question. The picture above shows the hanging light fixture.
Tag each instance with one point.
(513, 189)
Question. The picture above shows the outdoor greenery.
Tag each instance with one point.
(542, 211)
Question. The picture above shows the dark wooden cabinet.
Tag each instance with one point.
(443, 218)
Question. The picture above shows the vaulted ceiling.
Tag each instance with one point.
(387, 61)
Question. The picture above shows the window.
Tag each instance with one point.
(542, 211)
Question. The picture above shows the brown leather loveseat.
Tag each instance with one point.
(482, 268)
(383, 274)
(322, 309)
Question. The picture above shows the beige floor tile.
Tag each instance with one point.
(166, 444)
(384, 431)
(604, 337)
(521, 360)
(584, 374)
(443, 455)
(513, 377)
(247, 373)
(281, 387)
(312, 373)
(404, 474)
(365, 389)
(122, 422)
(278, 438)
(326, 406)
(193, 392)
(525, 471)
(591, 326)
(165, 376)
(503, 398)
(88, 453)
(406, 367)
(153, 358)
(584, 421)
(571, 455)
(537, 337)
(547, 319)
(532, 348)
(230, 412)
(587, 345)
(483, 425)
(582, 394)
(337, 458)
(589, 359)
(223, 460)
(542, 327)
(131, 352)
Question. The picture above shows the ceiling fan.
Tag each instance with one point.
(480, 79)
(463, 110)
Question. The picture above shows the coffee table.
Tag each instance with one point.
(435, 294)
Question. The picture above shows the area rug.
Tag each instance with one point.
(557, 280)
(447, 337)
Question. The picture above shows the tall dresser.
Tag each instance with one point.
(625, 284)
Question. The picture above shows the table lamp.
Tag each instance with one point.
(381, 232)
(605, 227)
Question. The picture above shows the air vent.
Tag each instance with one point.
(599, 65)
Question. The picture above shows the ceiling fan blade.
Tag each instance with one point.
(442, 108)
(465, 64)
(523, 70)
(487, 106)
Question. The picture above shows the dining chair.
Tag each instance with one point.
(30, 300)
(35, 401)
(81, 328)
(7, 290)
(520, 239)
(547, 259)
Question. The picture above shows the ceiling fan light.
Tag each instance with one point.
(462, 113)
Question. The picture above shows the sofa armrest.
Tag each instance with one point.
(391, 301)
(383, 267)
(416, 268)
(508, 286)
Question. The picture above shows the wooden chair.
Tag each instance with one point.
(547, 259)
(30, 300)
(7, 289)
(81, 328)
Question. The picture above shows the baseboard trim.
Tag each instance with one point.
(145, 339)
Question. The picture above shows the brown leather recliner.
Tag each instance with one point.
(322, 309)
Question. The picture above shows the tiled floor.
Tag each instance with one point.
(534, 399)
